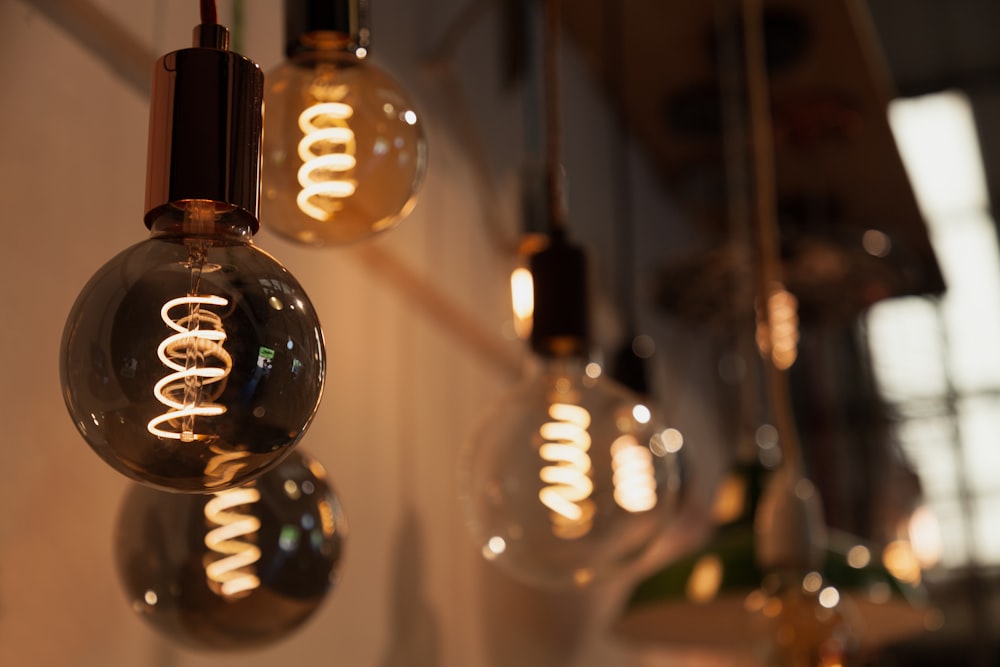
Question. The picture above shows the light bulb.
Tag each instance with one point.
(806, 622)
(236, 569)
(565, 482)
(193, 361)
(344, 149)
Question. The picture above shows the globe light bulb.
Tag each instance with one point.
(344, 150)
(236, 569)
(571, 476)
(807, 622)
(568, 478)
(194, 361)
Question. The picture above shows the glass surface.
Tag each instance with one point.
(344, 131)
(557, 504)
(296, 529)
(807, 623)
(192, 394)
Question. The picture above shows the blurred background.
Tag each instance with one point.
(886, 151)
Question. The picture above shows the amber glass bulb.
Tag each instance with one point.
(344, 149)
(569, 478)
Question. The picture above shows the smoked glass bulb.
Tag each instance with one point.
(344, 149)
(193, 361)
(569, 478)
(237, 569)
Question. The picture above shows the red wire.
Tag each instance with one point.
(208, 12)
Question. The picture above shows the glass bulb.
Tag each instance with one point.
(236, 569)
(806, 621)
(344, 150)
(193, 361)
(569, 478)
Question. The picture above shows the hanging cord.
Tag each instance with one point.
(621, 175)
(209, 15)
(765, 227)
(553, 140)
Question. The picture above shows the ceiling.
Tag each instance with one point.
(832, 69)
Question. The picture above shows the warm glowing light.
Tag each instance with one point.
(778, 332)
(899, 559)
(633, 476)
(641, 413)
(812, 582)
(230, 569)
(672, 439)
(593, 370)
(706, 577)
(859, 556)
(876, 243)
(522, 294)
(925, 536)
(730, 499)
(565, 447)
(197, 356)
(151, 598)
(328, 152)
(829, 597)
(496, 545)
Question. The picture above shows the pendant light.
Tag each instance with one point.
(772, 578)
(237, 569)
(570, 476)
(194, 361)
(344, 150)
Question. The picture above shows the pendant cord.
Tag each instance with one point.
(209, 14)
(765, 227)
(553, 139)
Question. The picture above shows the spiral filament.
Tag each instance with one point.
(565, 447)
(231, 567)
(197, 356)
(223, 467)
(327, 151)
(633, 475)
(778, 329)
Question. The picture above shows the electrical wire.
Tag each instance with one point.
(553, 129)
(209, 14)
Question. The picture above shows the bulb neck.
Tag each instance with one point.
(560, 326)
(326, 25)
(199, 218)
(205, 128)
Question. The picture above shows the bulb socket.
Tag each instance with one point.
(312, 25)
(560, 326)
(205, 128)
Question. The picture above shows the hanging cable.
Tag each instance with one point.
(775, 306)
(553, 139)
(209, 14)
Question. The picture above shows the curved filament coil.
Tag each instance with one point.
(231, 567)
(223, 467)
(633, 475)
(197, 356)
(327, 152)
(569, 486)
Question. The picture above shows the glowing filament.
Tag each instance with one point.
(778, 333)
(565, 447)
(522, 293)
(327, 151)
(230, 569)
(633, 475)
(197, 356)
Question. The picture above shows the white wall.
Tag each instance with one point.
(403, 389)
